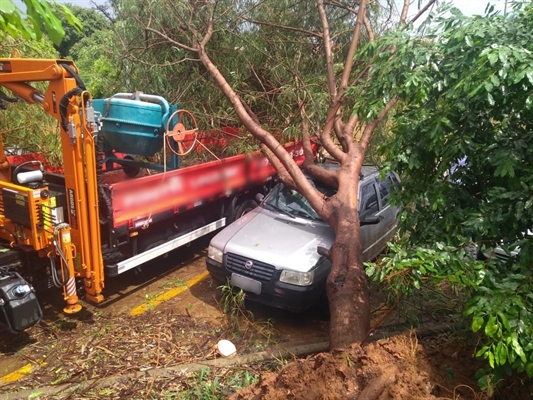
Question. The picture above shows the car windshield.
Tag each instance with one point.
(289, 201)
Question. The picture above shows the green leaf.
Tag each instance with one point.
(501, 353)
(492, 327)
(518, 349)
(493, 57)
(504, 320)
(7, 6)
(529, 76)
(477, 323)
(71, 18)
(482, 351)
(471, 309)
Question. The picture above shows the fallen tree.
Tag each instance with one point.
(342, 133)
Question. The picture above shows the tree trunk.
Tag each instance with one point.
(347, 286)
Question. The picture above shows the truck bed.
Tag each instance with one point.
(134, 201)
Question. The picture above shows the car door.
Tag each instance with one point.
(369, 207)
(387, 213)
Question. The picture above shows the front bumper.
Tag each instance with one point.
(273, 292)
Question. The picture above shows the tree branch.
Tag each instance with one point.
(403, 15)
(170, 40)
(369, 129)
(283, 174)
(210, 30)
(332, 88)
(103, 10)
(369, 29)
(346, 135)
(353, 47)
(329, 178)
(315, 198)
(325, 136)
(422, 11)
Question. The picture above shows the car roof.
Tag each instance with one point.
(366, 170)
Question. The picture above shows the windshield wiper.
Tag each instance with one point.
(281, 210)
(305, 214)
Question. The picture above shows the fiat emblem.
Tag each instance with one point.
(248, 264)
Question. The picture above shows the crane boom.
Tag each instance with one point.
(67, 100)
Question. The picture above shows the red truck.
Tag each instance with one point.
(100, 217)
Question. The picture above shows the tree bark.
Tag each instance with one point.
(347, 286)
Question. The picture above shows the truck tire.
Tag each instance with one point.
(245, 207)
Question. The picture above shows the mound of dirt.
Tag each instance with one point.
(396, 368)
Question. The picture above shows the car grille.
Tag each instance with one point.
(260, 270)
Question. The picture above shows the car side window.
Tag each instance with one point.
(384, 191)
(369, 200)
(394, 180)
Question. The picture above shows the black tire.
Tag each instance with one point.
(245, 207)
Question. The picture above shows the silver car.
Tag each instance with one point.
(271, 252)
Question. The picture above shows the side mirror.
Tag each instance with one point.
(259, 197)
(370, 221)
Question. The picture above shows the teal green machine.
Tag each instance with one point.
(134, 125)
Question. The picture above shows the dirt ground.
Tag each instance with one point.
(398, 368)
(105, 353)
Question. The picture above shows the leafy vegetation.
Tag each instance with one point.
(30, 128)
(38, 14)
(242, 321)
(209, 385)
(90, 22)
(461, 141)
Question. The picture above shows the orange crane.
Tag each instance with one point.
(30, 219)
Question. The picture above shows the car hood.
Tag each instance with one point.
(276, 239)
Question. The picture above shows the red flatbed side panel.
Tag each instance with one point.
(136, 200)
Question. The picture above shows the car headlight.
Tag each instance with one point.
(215, 254)
(297, 278)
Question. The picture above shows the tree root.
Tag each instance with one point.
(376, 386)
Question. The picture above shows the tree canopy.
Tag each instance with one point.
(90, 22)
(461, 140)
